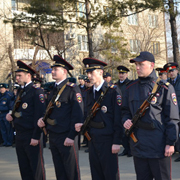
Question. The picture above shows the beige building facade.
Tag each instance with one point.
(143, 32)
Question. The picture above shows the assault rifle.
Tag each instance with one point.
(16, 106)
(142, 110)
(51, 106)
(91, 114)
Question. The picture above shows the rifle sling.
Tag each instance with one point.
(53, 122)
(146, 125)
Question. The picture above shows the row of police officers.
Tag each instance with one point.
(156, 133)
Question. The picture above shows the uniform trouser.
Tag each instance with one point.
(125, 143)
(103, 164)
(157, 168)
(30, 159)
(65, 158)
(6, 131)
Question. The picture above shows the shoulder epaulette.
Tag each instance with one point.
(71, 84)
(35, 87)
(113, 86)
(129, 82)
(9, 94)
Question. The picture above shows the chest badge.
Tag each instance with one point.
(4, 102)
(154, 100)
(58, 104)
(24, 105)
(104, 109)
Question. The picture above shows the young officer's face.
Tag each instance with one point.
(95, 76)
(22, 77)
(58, 73)
(144, 68)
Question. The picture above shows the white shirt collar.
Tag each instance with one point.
(121, 81)
(26, 84)
(99, 87)
(59, 82)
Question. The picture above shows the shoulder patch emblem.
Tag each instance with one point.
(78, 97)
(119, 100)
(174, 98)
(41, 98)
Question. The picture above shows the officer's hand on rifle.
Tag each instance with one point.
(40, 123)
(128, 123)
(9, 117)
(78, 126)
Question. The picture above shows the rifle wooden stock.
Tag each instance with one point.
(142, 110)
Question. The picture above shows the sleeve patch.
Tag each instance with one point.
(119, 100)
(174, 98)
(78, 97)
(41, 98)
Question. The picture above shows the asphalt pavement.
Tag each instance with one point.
(9, 169)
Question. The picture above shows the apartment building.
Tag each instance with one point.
(143, 32)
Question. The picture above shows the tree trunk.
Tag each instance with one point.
(172, 21)
(88, 29)
(13, 66)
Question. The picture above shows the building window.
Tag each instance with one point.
(153, 21)
(135, 45)
(155, 47)
(13, 5)
(82, 43)
(81, 9)
(132, 19)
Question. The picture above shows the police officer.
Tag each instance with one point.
(67, 111)
(6, 102)
(157, 129)
(122, 83)
(174, 79)
(162, 73)
(105, 140)
(82, 83)
(30, 109)
(107, 77)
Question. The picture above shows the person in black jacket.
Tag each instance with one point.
(67, 111)
(157, 129)
(105, 128)
(174, 79)
(122, 83)
(31, 107)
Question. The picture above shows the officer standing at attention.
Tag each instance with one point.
(6, 103)
(67, 111)
(105, 141)
(174, 79)
(30, 109)
(122, 83)
(157, 129)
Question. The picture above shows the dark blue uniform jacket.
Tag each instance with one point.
(163, 113)
(109, 113)
(6, 103)
(68, 110)
(32, 108)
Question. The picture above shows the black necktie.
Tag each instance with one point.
(97, 94)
